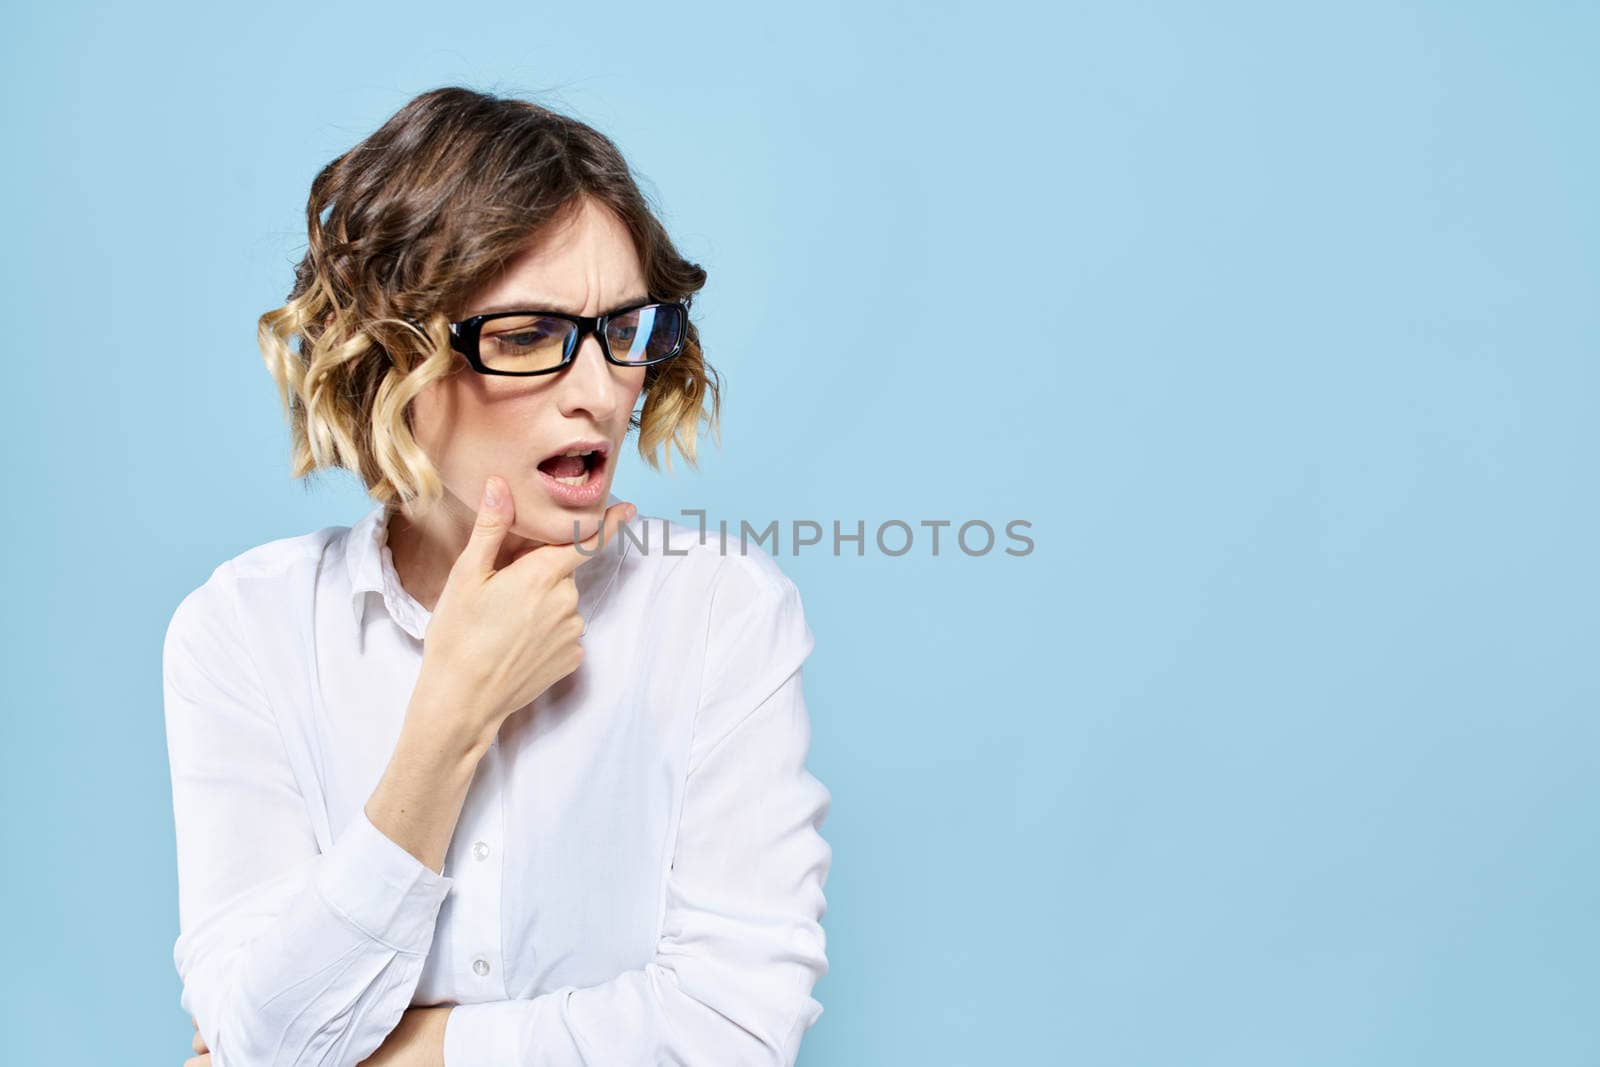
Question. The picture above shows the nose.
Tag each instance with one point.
(587, 387)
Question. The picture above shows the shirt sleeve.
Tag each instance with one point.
(287, 955)
(742, 944)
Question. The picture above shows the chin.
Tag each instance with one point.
(556, 528)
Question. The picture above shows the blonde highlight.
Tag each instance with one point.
(401, 229)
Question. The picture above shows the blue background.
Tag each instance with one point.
(1277, 322)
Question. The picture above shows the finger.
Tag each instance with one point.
(495, 513)
(567, 558)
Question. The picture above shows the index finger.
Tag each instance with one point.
(564, 559)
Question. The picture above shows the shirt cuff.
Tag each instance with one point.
(381, 889)
(485, 1034)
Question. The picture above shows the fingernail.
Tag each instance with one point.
(630, 513)
(491, 496)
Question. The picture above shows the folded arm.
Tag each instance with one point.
(742, 944)
(288, 955)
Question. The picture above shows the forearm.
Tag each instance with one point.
(361, 916)
(418, 801)
(294, 948)
(741, 946)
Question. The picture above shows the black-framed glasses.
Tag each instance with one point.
(543, 342)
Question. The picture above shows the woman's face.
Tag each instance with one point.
(473, 425)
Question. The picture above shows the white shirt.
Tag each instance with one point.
(637, 874)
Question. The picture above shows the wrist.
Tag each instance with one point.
(440, 724)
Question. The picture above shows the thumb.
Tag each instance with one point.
(495, 514)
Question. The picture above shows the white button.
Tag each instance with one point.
(480, 850)
(480, 966)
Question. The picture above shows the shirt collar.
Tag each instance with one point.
(370, 566)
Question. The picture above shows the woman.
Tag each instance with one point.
(502, 774)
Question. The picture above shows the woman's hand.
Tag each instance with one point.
(499, 638)
(199, 1045)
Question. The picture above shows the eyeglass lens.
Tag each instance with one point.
(542, 342)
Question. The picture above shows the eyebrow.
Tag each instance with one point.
(542, 304)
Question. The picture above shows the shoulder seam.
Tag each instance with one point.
(777, 585)
(769, 571)
(308, 545)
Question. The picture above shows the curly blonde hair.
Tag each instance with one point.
(406, 226)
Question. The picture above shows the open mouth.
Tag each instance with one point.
(576, 476)
(574, 469)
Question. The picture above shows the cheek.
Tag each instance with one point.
(457, 417)
(629, 385)
(431, 415)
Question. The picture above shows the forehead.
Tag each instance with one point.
(585, 265)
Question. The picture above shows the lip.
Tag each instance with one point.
(591, 491)
(587, 444)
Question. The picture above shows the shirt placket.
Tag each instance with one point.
(480, 847)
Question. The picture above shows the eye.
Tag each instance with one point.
(523, 333)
